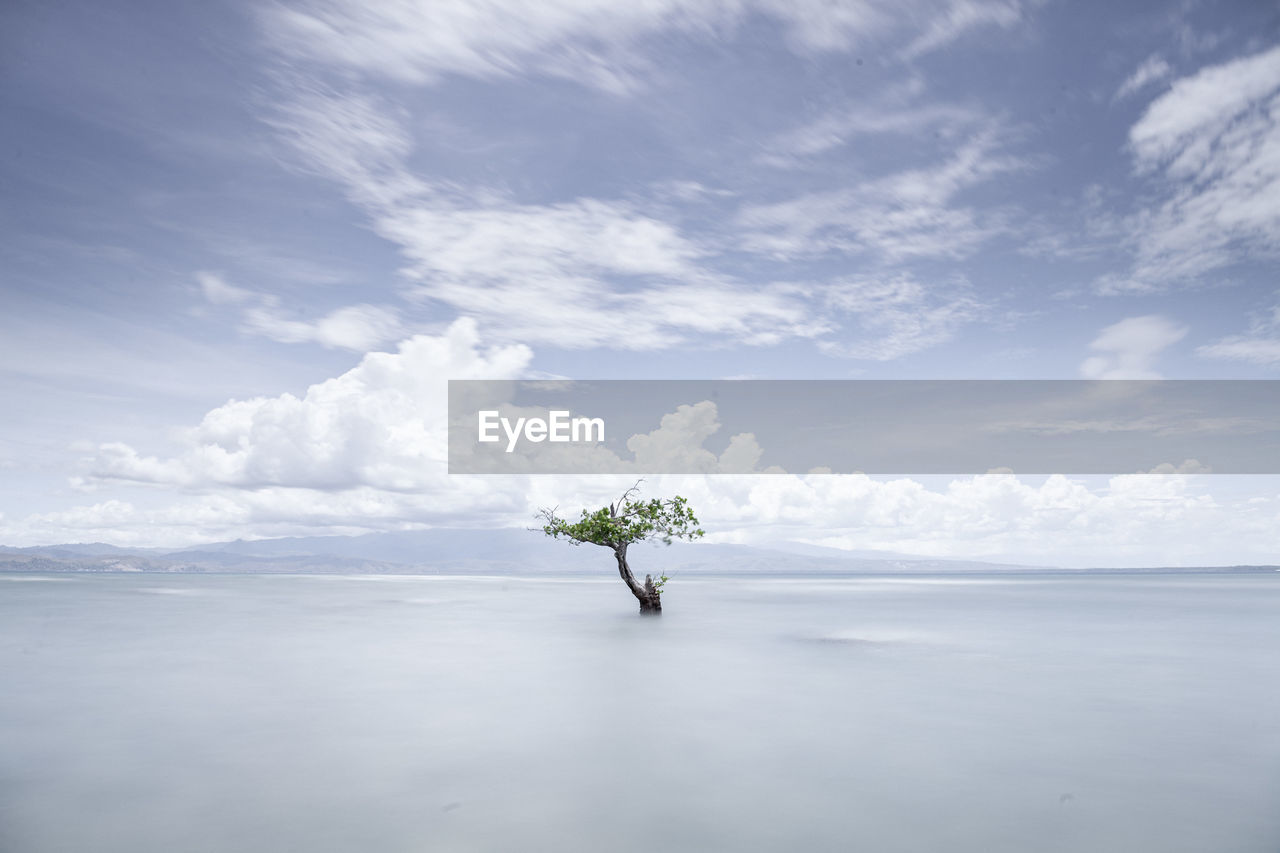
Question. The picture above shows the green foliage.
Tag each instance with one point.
(618, 525)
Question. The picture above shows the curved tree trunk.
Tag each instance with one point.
(647, 594)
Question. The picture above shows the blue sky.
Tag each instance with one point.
(239, 201)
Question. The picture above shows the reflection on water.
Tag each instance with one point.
(254, 713)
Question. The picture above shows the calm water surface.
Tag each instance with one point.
(316, 713)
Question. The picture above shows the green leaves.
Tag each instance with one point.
(618, 525)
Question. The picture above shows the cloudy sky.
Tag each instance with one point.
(245, 243)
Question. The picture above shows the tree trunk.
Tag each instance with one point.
(647, 594)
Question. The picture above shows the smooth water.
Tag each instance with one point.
(317, 713)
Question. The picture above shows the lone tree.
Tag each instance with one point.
(619, 524)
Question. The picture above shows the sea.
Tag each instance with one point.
(1100, 712)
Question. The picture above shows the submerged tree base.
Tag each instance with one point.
(650, 598)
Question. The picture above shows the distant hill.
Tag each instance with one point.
(504, 551)
(519, 550)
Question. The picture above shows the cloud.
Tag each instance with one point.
(588, 273)
(1128, 349)
(1170, 519)
(1213, 141)
(593, 272)
(607, 273)
(583, 273)
(676, 445)
(1243, 348)
(958, 19)
(186, 520)
(597, 42)
(1261, 345)
(1188, 466)
(1179, 128)
(217, 291)
(381, 424)
(839, 127)
(1153, 70)
(354, 327)
(419, 42)
(896, 316)
(355, 138)
(906, 214)
(587, 234)
(365, 451)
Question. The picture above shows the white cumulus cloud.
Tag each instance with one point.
(381, 424)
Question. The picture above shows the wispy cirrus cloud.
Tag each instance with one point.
(595, 271)
(1153, 70)
(583, 274)
(1212, 145)
(352, 137)
(217, 291)
(598, 42)
(1259, 345)
(912, 213)
(359, 327)
(887, 318)
(897, 115)
(416, 41)
(1255, 349)
(961, 17)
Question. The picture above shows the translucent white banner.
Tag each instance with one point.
(874, 427)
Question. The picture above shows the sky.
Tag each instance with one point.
(245, 243)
